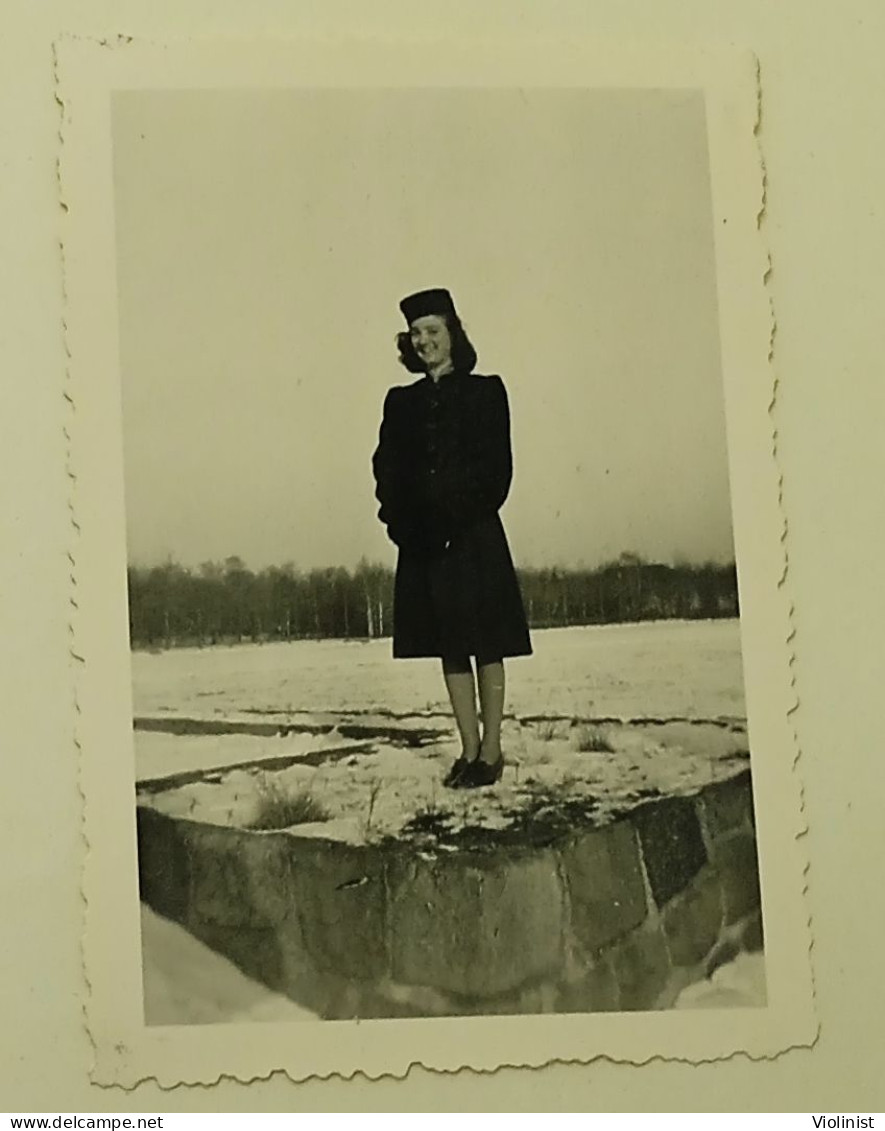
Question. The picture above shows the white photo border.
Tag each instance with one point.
(126, 1050)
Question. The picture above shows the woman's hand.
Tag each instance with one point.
(426, 533)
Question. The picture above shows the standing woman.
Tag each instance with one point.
(442, 469)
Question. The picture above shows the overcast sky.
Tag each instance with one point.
(265, 239)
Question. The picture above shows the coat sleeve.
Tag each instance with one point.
(388, 472)
(487, 474)
(408, 524)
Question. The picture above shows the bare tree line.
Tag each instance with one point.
(226, 602)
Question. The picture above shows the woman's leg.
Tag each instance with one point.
(461, 687)
(490, 674)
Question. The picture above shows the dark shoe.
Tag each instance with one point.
(455, 776)
(482, 773)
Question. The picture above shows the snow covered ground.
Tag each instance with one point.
(686, 669)
(383, 789)
(738, 984)
(187, 983)
(159, 755)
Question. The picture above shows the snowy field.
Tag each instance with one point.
(672, 676)
(681, 669)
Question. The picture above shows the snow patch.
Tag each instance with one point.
(186, 983)
(661, 669)
(391, 791)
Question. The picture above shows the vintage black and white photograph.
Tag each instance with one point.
(433, 600)
(445, 566)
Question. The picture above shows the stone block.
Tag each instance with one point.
(535, 997)
(390, 999)
(752, 933)
(237, 878)
(508, 1004)
(672, 845)
(606, 889)
(738, 868)
(541, 998)
(641, 967)
(474, 927)
(692, 920)
(300, 978)
(339, 898)
(330, 996)
(595, 991)
(728, 805)
(163, 864)
(254, 950)
(346, 1001)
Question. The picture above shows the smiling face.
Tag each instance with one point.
(432, 342)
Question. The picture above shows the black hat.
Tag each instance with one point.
(435, 301)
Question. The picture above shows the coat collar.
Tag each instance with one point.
(447, 379)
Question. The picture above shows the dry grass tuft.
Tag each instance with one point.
(547, 730)
(590, 739)
(280, 808)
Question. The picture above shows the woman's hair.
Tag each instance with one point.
(463, 353)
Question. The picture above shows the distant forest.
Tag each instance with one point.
(225, 602)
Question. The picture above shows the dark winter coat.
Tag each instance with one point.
(443, 469)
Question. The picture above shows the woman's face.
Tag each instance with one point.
(432, 341)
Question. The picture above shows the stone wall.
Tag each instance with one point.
(620, 917)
